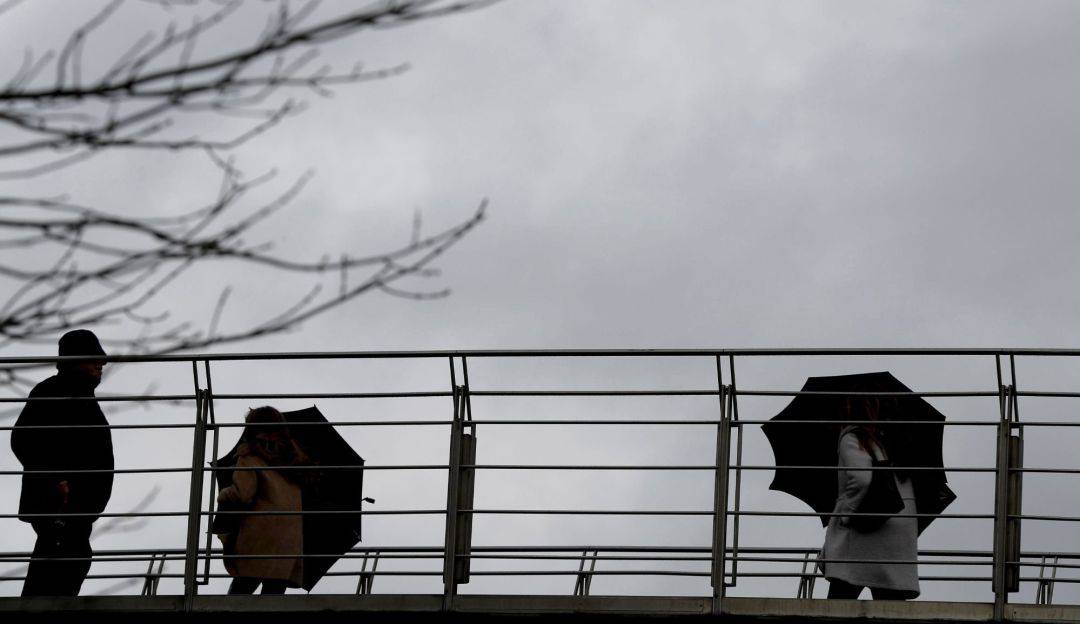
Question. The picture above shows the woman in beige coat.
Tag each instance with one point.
(266, 547)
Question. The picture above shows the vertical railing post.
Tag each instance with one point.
(1014, 507)
(736, 428)
(198, 456)
(452, 478)
(1001, 496)
(720, 491)
(466, 482)
(211, 498)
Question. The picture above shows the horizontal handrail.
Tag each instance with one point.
(540, 353)
(555, 467)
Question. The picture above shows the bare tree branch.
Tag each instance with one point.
(237, 81)
(115, 268)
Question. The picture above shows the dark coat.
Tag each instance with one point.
(61, 447)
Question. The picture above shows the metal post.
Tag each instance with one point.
(583, 584)
(450, 545)
(150, 581)
(806, 580)
(211, 498)
(198, 456)
(466, 482)
(734, 413)
(720, 490)
(367, 578)
(1014, 490)
(1001, 490)
(1044, 594)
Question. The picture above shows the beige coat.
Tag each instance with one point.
(280, 535)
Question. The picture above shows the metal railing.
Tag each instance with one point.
(1003, 560)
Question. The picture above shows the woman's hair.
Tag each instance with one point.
(270, 439)
(869, 434)
(876, 409)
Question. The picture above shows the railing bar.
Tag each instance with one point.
(947, 423)
(151, 514)
(219, 468)
(627, 392)
(707, 559)
(573, 548)
(625, 512)
(371, 512)
(334, 395)
(596, 573)
(542, 393)
(692, 392)
(515, 353)
(150, 426)
(1050, 423)
(706, 549)
(180, 557)
(881, 561)
(1034, 564)
(95, 471)
(703, 558)
(563, 573)
(553, 421)
(342, 467)
(140, 575)
(688, 512)
(134, 397)
(359, 552)
(810, 514)
(699, 467)
(353, 423)
(835, 468)
(921, 578)
(846, 393)
(342, 423)
(1045, 518)
(361, 423)
(589, 512)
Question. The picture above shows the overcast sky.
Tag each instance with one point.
(660, 174)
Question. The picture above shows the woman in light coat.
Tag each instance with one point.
(895, 540)
(276, 541)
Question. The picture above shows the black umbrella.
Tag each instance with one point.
(333, 489)
(799, 438)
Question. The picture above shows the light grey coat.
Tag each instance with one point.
(895, 540)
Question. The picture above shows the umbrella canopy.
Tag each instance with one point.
(800, 438)
(332, 489)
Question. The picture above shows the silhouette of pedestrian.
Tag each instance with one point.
(51, 437)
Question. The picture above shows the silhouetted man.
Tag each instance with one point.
(51, 437)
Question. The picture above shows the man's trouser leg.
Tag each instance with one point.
(49, 573)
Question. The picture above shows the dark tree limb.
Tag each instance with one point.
(68, 264)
